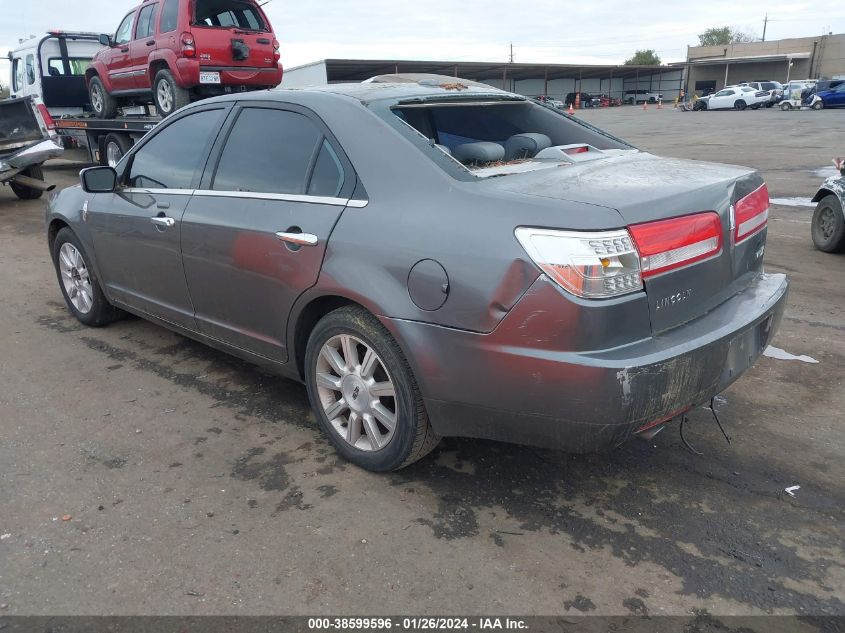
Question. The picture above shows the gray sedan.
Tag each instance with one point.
(432, 257)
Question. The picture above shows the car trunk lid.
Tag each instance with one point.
(644, 189)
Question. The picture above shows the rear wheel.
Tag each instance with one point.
(28, 193)
(756, 106)
(785, 106)
(739, 104)
(364, 394)
(103, 104)
(828, 228)
(79, 284)
(115, 147)
(167, 94)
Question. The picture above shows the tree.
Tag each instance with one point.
(644, 58)
(724, 35)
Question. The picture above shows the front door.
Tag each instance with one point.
(136, 231)
(117, 58)
(722, 99)
(254, 234)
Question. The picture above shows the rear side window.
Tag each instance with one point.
(169, 16)
(145, 22)
(327, 178)
(77, 66)
(227, 14)
(171, 158)
(268, 151)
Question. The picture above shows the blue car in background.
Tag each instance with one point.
(830, 96)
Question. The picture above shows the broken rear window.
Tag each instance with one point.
(239, 14)
(480, 134)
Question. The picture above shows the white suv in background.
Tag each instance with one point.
(774, 88)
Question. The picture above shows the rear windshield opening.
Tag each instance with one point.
(480, 135)
(240, 14)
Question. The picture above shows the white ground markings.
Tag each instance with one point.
(793, 202)
(779, 354)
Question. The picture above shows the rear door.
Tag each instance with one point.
(233, 34)
(136, 230)
(143, 44)
(278, 178)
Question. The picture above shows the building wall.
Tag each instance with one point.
(827, 60)
(310, 75)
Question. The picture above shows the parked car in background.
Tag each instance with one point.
(584, 98)
(633, 97)
(555, 103)
(572, 308)
(52, 68)
(27, 139)
(828, 224)
(173, 51)
(828, 94)
(773, 88)
(733, 98)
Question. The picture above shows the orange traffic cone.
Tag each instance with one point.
(645, 105)
(660, 104)
(571, 110)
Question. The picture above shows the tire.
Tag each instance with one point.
(26, 193)
(740, 105)
(168, 96)
(785, 106)
(700, 106)
(103, 104)
(114, 148)
(339, 334)
(818, 105)
(828, 227)
(756, 106)
(93, 309)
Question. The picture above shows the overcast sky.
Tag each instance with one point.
(581, 31)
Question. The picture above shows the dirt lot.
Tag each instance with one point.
(194, 483)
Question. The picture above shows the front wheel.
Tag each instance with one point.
(828, 227)
(103, 104)
(785, 106)
(79, 284)
(818, 105)
(115, 147)
(28, 193)
(740, 105)
(168, 95)
(364, 394)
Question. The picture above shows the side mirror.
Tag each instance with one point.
(98, 179)
(105, 40)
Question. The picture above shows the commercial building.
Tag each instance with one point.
(711, 68)
(552, 80)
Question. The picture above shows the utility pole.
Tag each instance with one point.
(511, 52)
(765, 24)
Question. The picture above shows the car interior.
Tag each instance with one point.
(479, 134)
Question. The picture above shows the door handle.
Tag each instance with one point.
(164, 223)
(151, 42)
(163, 205)
(124, 50)
(299, 239)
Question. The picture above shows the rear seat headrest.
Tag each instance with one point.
(481, 152)
(526, 145)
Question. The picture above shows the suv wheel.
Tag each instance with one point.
(80, 286)
(364, 394)
(828, 228)
(103, 104)
(168, 95)
(28, 193)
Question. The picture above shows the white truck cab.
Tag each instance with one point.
(52, 69)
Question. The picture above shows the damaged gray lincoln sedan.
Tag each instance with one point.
(431, 257)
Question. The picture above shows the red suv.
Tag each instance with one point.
(176, 50)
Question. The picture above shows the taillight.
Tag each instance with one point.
(668, 244)
(751, 214)
(595, 265)
(276, 54)
(45, 116)
(189, 47)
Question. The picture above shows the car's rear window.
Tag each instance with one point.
(240, 14)
(451, 125)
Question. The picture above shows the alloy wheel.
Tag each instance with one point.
(165, 96)
(356, 392)
(76, 278)
(96, 99)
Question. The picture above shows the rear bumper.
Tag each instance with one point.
(509, 386)
(188, 75)
(35, 154)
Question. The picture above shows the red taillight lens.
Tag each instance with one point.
(751, 214)
(276, 54)
(45, 115)
(189, 47)
(668, 244)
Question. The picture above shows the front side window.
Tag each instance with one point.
(145, 22)
(172, 158)
(124, 31)
(17, 75)
(30, 69)
(228, 13)
(268, 151)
